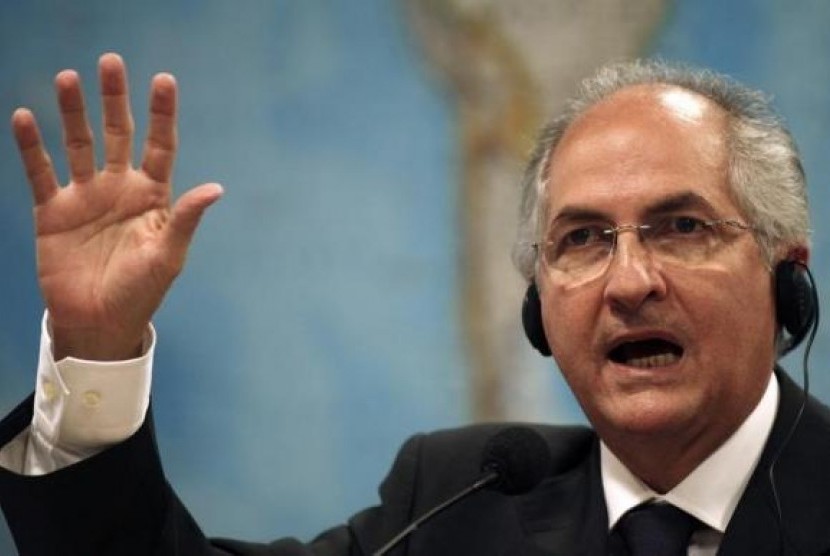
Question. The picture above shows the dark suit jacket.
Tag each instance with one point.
(118, 503)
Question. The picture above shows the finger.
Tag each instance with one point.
(118, 122)
(36, 161)
(187, 212)
(77, 135)
(160, 146)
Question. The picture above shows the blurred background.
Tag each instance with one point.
(354, 284)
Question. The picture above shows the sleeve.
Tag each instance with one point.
(118, 503)
(115, 503)
(80, 474)
(80, 408)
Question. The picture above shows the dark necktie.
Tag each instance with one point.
(655, 530)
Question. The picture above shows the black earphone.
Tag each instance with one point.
(795, 307)
(795, 302)
(532, 320)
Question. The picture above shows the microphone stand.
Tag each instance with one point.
(490, 477)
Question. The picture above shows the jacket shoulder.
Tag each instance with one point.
(443, 461)
(465, 446)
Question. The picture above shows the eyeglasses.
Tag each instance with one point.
(581, 251)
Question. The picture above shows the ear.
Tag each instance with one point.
(799, 254)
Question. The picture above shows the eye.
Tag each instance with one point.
(585, 235)
(580, 236)
(678, 226)
(575, 241)
(686, 224)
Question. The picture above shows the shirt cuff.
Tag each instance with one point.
(82, 407)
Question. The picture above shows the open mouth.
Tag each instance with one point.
(645, 354)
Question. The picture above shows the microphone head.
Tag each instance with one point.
(519, 456)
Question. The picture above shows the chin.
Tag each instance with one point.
(646, 413)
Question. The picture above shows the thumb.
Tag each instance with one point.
(187, 212)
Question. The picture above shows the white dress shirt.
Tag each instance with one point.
(81, 408)
(711, 492)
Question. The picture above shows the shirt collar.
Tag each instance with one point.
(708, 493)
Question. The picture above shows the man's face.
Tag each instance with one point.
(650, 346)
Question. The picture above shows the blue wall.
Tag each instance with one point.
(315, 325)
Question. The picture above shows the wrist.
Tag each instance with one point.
(95, 344)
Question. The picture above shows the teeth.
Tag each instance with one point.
(660, 360)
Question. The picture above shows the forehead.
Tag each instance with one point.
(637, 147)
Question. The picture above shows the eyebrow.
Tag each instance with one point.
(678, 201)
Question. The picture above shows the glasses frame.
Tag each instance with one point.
(615, 231)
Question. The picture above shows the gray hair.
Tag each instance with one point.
(764, 167)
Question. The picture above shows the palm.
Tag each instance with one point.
(98, 245)
(109, 244)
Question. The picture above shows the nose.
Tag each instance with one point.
(632, 278)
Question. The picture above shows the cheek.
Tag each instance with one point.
(569, 321)
(733, 313)
(748, 300)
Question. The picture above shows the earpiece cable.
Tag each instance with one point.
(805, 366)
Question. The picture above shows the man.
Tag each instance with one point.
(664, 222)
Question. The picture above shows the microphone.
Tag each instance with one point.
(514, 460)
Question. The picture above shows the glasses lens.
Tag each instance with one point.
(579, 251)
(683, 239)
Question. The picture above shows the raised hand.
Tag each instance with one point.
(110, 242)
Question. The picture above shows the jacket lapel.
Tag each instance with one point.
(566, 515)
(801, 458)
